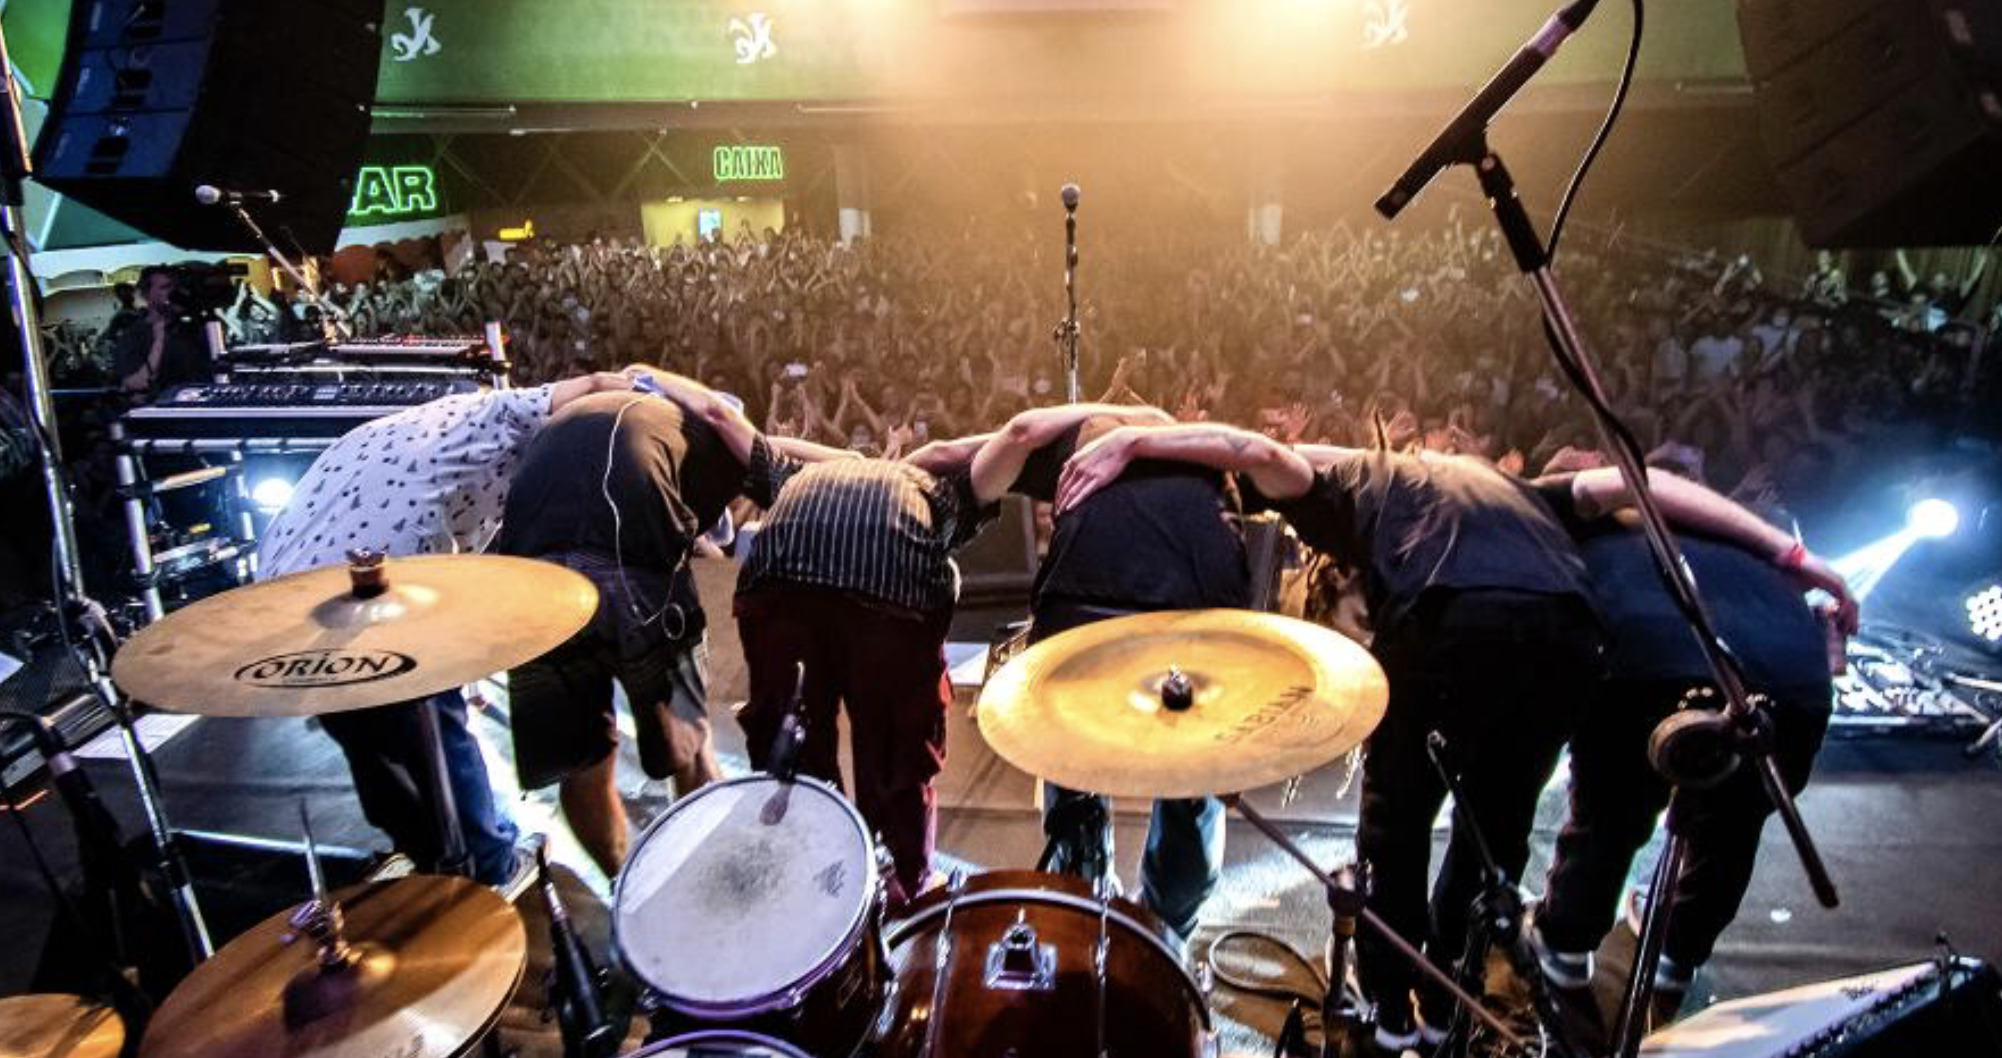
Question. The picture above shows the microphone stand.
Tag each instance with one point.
(1464, 142)
(334, 321)
(81, 618)
(1066, 331)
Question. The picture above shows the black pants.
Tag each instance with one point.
(1503, 676)
(1616, 797)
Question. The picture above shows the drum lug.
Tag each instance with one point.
(1017, 963)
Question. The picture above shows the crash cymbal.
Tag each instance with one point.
(58, 1027)
(306, 644)
(434, 961)
(1267, 698)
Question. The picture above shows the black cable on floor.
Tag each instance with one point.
(1272, 989)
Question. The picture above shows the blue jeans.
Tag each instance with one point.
(1183, 861)
(385, 751)
(1184, 857)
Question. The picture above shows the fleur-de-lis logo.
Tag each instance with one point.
(753, 38)
(419, 41)
(1384, 23)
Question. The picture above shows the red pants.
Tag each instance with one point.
(889, 670)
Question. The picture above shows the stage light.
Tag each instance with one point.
(1932, 519)
(270, 495)
(1984, 613)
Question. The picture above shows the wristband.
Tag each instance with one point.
(1793, 557)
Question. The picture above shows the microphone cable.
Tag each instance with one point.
(1599, 138)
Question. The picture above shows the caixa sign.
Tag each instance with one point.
(325, 668)
(746, 162)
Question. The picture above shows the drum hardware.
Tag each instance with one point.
(1019, 962)
(1496, 919)
(419, 967)
(1100, 954)
(942, 964)
(1349, 895)
(374, 632)
(575, 981)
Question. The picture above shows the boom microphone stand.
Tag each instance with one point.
(1066, 332)
(1722, 739)
(81, 618)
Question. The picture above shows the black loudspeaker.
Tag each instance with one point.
(159, 96)
(1929, 1008)
(1882, 118)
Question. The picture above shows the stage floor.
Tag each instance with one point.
(1908, 828)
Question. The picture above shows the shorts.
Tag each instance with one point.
(561, 706)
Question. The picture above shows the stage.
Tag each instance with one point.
(1907, 827)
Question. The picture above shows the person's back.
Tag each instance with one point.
(622, 474)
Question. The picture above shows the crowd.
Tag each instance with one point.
(1341, 335)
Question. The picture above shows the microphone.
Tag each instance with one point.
(575, 980)
(1069, 195)
(784, 762)
(1452, 142)
(209, 195)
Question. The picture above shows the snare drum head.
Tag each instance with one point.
(719, 1044)
(717, 907)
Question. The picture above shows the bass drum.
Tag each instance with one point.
(756, 905)
(720, 1043)
(1018, 976)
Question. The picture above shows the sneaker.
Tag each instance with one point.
(1392, 1042)
(525, 868)
(1671, 988)
(1569, 971)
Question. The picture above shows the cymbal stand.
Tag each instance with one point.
(1496, 919)
(81, 619)
(1343, 890)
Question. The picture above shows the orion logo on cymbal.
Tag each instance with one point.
(325, 668)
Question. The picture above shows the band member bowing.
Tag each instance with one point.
(618, 487)
(427, 480)
(850, 578)
(1485, 630)
(1751, 576)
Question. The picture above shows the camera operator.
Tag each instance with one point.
(164, 347)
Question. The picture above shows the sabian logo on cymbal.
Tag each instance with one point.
(325, 668)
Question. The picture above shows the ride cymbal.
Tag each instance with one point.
(54, 1026)
(434, 960)
(306, 643)
(1262, 697)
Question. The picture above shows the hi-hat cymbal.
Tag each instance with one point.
(1270, 697)
(305, 644)
(435, 959)
(58, 1027)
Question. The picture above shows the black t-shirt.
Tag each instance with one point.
(670, 478)
(1162, 537)
(1759, 611)
(184, 360)
(1415, 523)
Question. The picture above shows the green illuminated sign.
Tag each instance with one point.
(749, 163)
(384, 191)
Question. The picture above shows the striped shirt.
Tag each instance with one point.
(875, 528)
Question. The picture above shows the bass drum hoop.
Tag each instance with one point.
(1015, 895)
(794, 992)
(776, 1046)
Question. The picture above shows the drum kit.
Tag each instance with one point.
(753, 912)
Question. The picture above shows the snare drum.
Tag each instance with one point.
(1018, 974)
(757, 903)
(720, 1043)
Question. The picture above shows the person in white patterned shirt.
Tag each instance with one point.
(426, 480)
